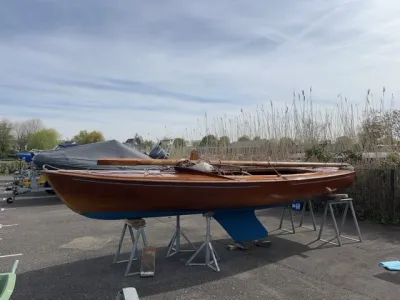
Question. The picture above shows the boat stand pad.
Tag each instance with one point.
(393, 265)
(241, 225)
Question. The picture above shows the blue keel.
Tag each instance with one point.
(241, 225)
(393, 265)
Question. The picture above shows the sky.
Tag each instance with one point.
(158, 67)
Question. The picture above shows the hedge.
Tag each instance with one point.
(8, 167)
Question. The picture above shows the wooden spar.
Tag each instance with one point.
(194, 171)
(172, 162)
(136, 162)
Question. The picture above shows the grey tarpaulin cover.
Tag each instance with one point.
(85, 156)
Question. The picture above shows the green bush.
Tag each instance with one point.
(8, 167)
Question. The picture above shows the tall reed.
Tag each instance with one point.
(304, 129)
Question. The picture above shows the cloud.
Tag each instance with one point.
(156, 67)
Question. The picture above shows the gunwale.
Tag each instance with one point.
(184, 178)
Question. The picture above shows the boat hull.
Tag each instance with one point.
(105, 196)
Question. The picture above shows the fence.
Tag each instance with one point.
(376, 194)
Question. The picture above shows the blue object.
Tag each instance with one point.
(393, 265)
(158, 153)
(297, 205)
(241, 225)
(165, 213)
(27, 156)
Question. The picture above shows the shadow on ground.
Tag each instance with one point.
(392, 277)
(370, 231)
(99, 278)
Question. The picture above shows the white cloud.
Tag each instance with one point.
(54, 55)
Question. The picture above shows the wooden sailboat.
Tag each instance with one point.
(186, 187)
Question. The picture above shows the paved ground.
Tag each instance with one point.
(67, 256)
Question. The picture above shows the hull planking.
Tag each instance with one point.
(141, 194)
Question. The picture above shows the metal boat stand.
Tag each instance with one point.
(289, 207)
(174, 245)
(137, 225)
(209, 249)
(348, 202)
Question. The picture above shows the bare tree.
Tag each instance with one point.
(24, 130)
(6, 137)
(19, 134)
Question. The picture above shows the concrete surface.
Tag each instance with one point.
(5, 178)
(67, 256)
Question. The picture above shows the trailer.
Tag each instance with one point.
(25, 181)
(72, 156)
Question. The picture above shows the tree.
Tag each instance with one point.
(391, 120)
(148, 145)
(243, 138)
(224, 141)
(318, 152)
(286, 143)
(209, 141)
(23, 130)
(138, 141)
(95, 137)
(44, 139)
(372, 130)
(344, 143)
(391, 161)
(140, 144)
(6, 138)
(179, 143)
(85, 137)
(196, 143)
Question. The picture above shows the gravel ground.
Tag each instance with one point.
(67, 256)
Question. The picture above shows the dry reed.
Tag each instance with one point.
(305, 130)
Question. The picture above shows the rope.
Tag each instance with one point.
(279, 175)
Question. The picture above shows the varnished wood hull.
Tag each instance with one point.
(105, 195)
